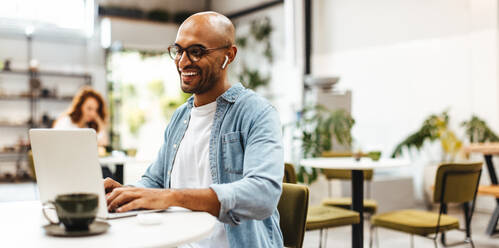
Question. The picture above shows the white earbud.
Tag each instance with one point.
(225, 62)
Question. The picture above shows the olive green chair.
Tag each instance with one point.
(293, 207)
(370, 206)
(454, 183)
(322, 217)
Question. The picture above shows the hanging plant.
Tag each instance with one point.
(261, 31)
(252, 78)
(258, 38)
(241, 42)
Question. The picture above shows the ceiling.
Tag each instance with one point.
(169, 5)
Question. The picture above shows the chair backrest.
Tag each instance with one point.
(289, 174)
(457, 182)
(293, 207)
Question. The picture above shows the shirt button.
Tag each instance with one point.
(174, 145)
(185, 121)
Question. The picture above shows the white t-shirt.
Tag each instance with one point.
(66, 123)
(191, 168)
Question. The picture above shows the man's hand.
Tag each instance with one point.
(110, 185)
(122, 199)
(127, 198)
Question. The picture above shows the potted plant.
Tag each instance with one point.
(477, 130)
(319, 129)
(435, 127)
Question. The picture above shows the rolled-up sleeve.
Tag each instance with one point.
(257, 194)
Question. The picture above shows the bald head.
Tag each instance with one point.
(207, 40)
(216, 28)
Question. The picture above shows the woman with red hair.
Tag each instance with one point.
(88, 110)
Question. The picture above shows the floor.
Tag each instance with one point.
(337, 237)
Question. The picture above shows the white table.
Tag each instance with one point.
(21, 226)
(357, 168)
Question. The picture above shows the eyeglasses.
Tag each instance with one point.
(194, 52)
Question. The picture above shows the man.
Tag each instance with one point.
(222, 152)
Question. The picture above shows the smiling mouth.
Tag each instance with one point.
(189, 74)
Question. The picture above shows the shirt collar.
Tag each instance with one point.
(230, 95)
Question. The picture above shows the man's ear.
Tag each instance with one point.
(232, 53)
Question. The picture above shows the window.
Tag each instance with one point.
(56, 15)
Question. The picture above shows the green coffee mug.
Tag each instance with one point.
(76, 211)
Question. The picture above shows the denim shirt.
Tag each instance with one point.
(246, 163)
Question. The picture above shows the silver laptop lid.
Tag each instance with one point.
(66, 161)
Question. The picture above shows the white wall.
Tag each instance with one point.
(404, 60)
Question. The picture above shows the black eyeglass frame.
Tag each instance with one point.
(180, 51)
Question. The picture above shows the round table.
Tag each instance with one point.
(21, 226)
(357, 168)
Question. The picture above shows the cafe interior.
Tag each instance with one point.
(389, 113)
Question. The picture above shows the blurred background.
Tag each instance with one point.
(417, 80)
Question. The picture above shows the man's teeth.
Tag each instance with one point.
(189, 73)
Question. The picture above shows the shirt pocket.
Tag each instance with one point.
(233, 152)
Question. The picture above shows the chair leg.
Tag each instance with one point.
(377, 238)
(412, 240)
(370, 237)
(467, 219)
(325, 240)
(442, 235)
(371, 227)
(320, 238)
(329, 193)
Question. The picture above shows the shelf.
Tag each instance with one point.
(12, 156)
(15, 125)
(14, 98)
(62, 98)
(37, 98)
(17, 72)
(47, 73)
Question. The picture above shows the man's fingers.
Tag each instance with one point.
(131, 205)
(121, 199)
(110, 184)
(113, 194)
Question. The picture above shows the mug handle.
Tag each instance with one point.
(44, 207)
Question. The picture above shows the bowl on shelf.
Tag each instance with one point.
(374, 155)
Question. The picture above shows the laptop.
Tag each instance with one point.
(66, 161)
